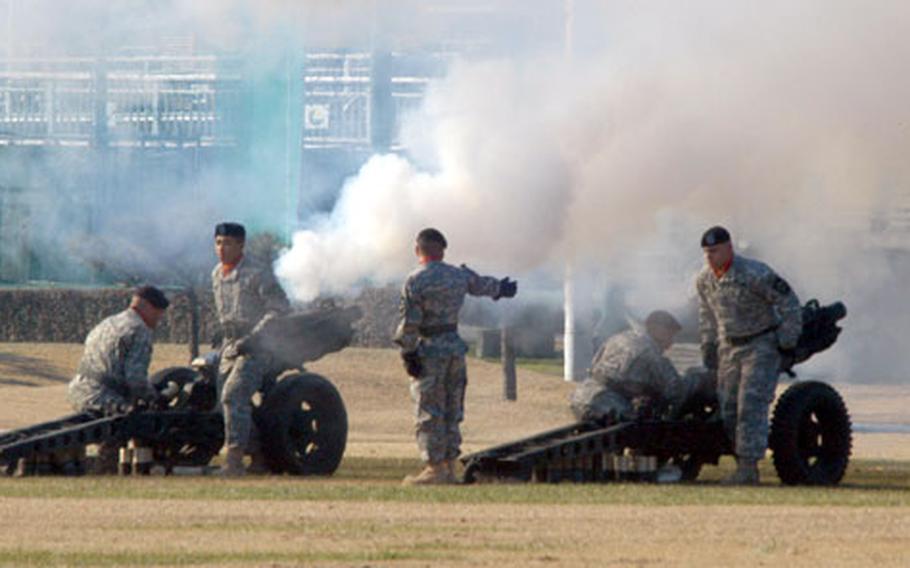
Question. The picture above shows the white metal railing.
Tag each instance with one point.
(127, 100)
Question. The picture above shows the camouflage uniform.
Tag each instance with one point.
(244, 298)
(431, 298)
(750, 313)
(114, 367)
(629, 365)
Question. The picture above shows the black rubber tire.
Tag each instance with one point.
(180, 375)
(201, 398)
(191, 446)
(470, 473)
(811, 435)
(303, 426)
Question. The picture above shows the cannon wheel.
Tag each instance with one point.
(185, 446)
(470, 473)
(201, 398)
(810, 435)
(303, 426)
(179, 375)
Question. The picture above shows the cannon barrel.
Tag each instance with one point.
(305, 337)
(820, 331)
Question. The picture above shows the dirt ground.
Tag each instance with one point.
(90, 532)
(33, 381)
(225, 530)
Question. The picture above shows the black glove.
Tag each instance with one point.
(507, 288)
(412, 364)
(709, 355)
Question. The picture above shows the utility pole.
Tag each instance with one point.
(507, 352)
(577, 345)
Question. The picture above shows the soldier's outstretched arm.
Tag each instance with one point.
(489, 286)
(776, 290)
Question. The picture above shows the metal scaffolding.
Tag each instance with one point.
(120, 101)
(358, 100)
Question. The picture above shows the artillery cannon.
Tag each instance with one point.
(301, 419)
(810, 434)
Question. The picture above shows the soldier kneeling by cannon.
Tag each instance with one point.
(172, 419)
(631, 374)
(638, 419)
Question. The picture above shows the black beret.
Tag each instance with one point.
(152, 295)
(235, 230)
(431, 236)
(661, 318)
(715, 236)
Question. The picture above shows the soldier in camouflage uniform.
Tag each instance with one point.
(246, 295)
(631, 367)
(747, 316)
(112, 376)
(433, 353)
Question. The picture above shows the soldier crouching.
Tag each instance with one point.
(630, 367)
(433, 352)
(112, 376)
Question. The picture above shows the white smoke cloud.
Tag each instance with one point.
(787, 123)
(500, 200)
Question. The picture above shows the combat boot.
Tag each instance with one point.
(450, 471)
(746, 473)
(233, 463)
(432, 474)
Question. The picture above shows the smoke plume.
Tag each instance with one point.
(786, 123)
(604, 136)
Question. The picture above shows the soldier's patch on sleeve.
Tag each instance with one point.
(781, 285)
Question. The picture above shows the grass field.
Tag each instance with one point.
(362, 516)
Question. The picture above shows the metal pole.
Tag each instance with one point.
(578, 345)
(568, 338)
(576, 339)
(193, 301)
(507, 351)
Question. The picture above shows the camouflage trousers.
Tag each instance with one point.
(746, 381)
(594, 401)
(88, 395)
(238, 380)
(439, 407)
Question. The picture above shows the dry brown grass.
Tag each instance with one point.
(375, 390)
(232, 529)
(105, 532)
